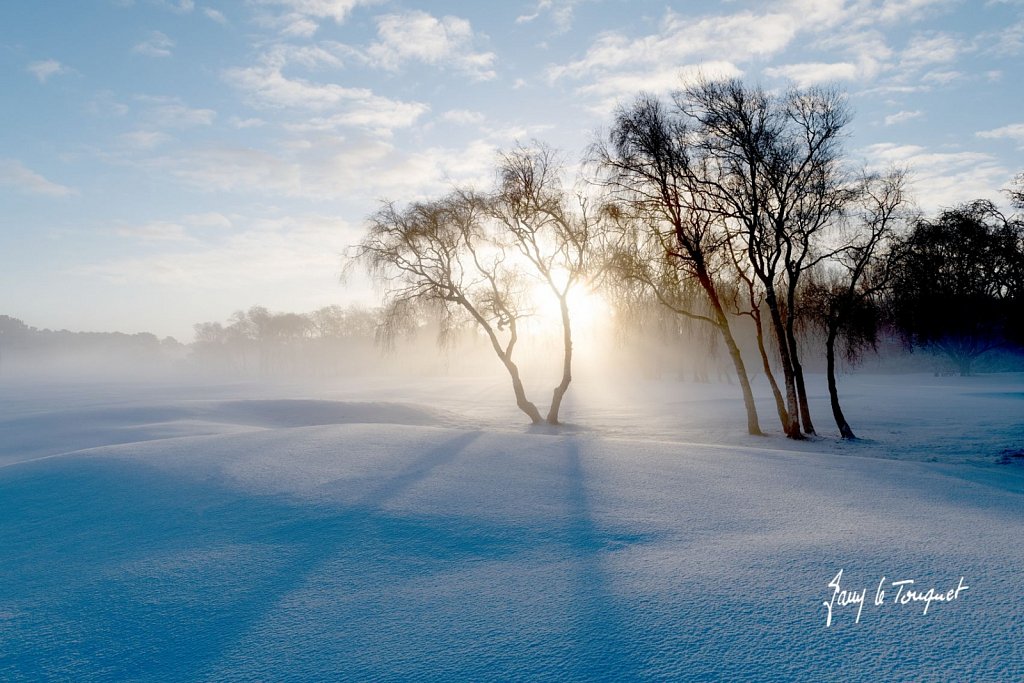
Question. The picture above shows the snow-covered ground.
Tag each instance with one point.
(418, 530)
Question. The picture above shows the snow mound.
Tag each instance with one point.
(46, 433)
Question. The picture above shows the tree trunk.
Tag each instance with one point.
(792, 426)
(780, 403)
(523, 403)
(556, 399)
(798, 370)
(833, 391)
(801, 392)
(753, 427)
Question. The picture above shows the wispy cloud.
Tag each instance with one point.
(170, 112)
(183, 230)
(156, 45)
(421, 37)
(610, 90)
(463, 117)
(143, 139)
(14, 174)
(46, 69)
(286, 251)
(326, 167)
(892, 11)
(902, 117)
(812, 73)
(931, 48)
(215, 15)
(301, 18)
(942, 178)
(1014, 131)
(178, 6)
(561, 13)
(266, 85)
(156, 231)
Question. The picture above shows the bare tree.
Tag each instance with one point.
(440, 254)
(1016, 191)
(550, 231)
(649, 167)
(845, 297)
(755, 304)
(771, 169)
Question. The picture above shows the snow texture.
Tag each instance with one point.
(285, 533)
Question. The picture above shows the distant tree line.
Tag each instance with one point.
(252, 343)
(328, 341)
(731, 208)
(24, 346)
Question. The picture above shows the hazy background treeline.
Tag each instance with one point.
(338, 341)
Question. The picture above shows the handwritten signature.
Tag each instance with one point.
(906, 591)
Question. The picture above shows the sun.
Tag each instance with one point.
(588, 310)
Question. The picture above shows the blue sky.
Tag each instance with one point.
(166, 162)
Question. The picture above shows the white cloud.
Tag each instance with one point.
(242, 124)
(813, 73)
(463, 117)
(892, 11)
(327, 167)
(211, 219)
(170, 112)
(156, 45)
(612, 89)
(266, 85)
(45, 69)
(560, 11)
(215, 15)
(104, 104)
(927, 49)
(418, 36)
(741, 36)
(942, 179)
(616, 64)
(902, 117)
(156, 231)
(179, 6)
(144, 139)
(1006, 42)
(176, 231)
(297, 253)
(301, 18)
(14, 174)
(1014, 131)
(942, 76)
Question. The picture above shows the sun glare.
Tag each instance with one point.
(587, 308)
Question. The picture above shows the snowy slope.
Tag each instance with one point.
(179, 534)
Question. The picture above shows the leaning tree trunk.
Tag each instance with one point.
(798, 376)
(792, 426)
(753, 427)
(794, 353)
(833, 391)
(522, 402)
(780, 403)
(556, 399)
(505, 354)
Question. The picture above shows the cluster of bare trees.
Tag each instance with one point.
(720, 203)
